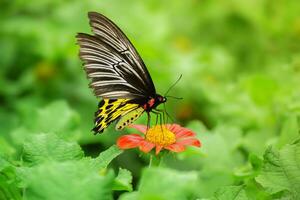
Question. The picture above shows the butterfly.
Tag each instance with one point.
(117, 74)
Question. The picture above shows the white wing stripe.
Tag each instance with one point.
(104, 54)
(102, 31)
(97, 59)
(99, 66)
(116, 94)
(104, 83)
(104, 74)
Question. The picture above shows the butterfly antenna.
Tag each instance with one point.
(171, 87)
(178, 98)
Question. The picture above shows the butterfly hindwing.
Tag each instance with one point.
(110, 110)
(129, 118)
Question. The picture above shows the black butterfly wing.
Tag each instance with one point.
(112, 63)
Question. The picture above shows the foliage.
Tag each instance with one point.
(231, 192)
(281, 171)
(240, 62)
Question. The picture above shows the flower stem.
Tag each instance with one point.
(150, 161)
(155, 160)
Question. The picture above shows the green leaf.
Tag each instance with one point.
(75, 180)
(123, 181)
(289, 131)
(3, 163)
(281, 170)
(106, 157)
(129, 196)
(46, 147)
(5, 147)
(57, 117)
(256, 162)
(231, 192)
(165, 184)
(72, 178)
(8, 183)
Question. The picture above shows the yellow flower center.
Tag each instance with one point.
(160, 135)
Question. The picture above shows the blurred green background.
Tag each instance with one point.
(240, 62)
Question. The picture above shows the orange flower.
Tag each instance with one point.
(172, 137)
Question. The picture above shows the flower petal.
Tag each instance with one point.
(129, 141)
(174, 127)
(141, 128)
(158, 149)
(175, 147)
(180, 131)
(184, 132)
(190, 141)
(146, 146)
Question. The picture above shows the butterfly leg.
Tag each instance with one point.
(168, 115)
(160, 115)
(149, 120)
(163, 112)
(156, 120)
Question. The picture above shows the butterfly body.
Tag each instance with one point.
(153, 102)
(118, 75)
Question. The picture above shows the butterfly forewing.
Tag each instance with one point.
(107, 80)
(109, 51)
(114, 37)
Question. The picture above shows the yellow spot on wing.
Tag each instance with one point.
(129, 118)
